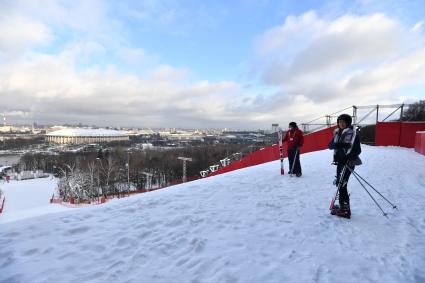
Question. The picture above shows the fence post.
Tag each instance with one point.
(354, 114)
(377, 113)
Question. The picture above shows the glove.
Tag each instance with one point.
(354, 161)
(342, 145)
(334, 160)
(344, 159)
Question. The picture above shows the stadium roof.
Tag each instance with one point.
(87, 133)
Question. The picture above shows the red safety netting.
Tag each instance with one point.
(398, 133)
(2, 201)
(420, 142)
(387, 133)
(312, 142)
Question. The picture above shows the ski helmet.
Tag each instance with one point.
(345, 117)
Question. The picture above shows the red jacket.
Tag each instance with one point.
(294, 138)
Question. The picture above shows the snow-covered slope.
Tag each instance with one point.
(28, 198)
(251, 225)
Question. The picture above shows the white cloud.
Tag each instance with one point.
(350, 59)
(167, 73)
(294, 31)
(418, 26)
(172, 17)
(77, 82)
(136, 57)
(308, 61)
(329, 47)
(18, 34)
(49, 88)
(387, 77)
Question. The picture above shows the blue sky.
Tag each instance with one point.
(203, 64)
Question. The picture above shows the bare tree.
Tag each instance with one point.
(108, 168)
(91, 171)
(415, 112)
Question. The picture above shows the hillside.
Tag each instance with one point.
(251, 225)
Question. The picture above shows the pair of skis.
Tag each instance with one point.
(334, 208)
(280, 137)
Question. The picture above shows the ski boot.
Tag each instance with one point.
(342, 210)
(334, 209)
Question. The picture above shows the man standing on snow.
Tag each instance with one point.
(295, 139)
(346, 146)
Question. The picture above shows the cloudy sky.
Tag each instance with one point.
(206, 64)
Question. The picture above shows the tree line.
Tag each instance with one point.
(88, 175)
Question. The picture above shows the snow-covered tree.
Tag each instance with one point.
(76, 183)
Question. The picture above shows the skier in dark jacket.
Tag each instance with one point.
(346, 146)
(295, 139)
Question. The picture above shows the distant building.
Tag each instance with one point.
(82, 136)
(15, 129)
(5, 170)
(5, 129)
(275, 127)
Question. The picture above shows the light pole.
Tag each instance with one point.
(99, 159)
(99, 190)
(148, 180)
(184, 166)
(53, 171)
(128, 170)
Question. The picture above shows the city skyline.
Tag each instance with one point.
(210, 64)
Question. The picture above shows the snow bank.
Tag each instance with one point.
(251, 225)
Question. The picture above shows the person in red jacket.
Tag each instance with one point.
(295, 139)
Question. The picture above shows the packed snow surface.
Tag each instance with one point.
(28, 198)
(250, 225)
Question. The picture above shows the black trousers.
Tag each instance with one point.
(343, 192)
(292, 159)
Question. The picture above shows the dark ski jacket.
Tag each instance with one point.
(294, 138)
(346, 145)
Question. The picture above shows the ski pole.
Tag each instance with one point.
(340, 182)
(293, 163)
(334, 199)
(355, 173)
(383, 212)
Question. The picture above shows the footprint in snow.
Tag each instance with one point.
(125, 241)
(30, 252)
(78, 230)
